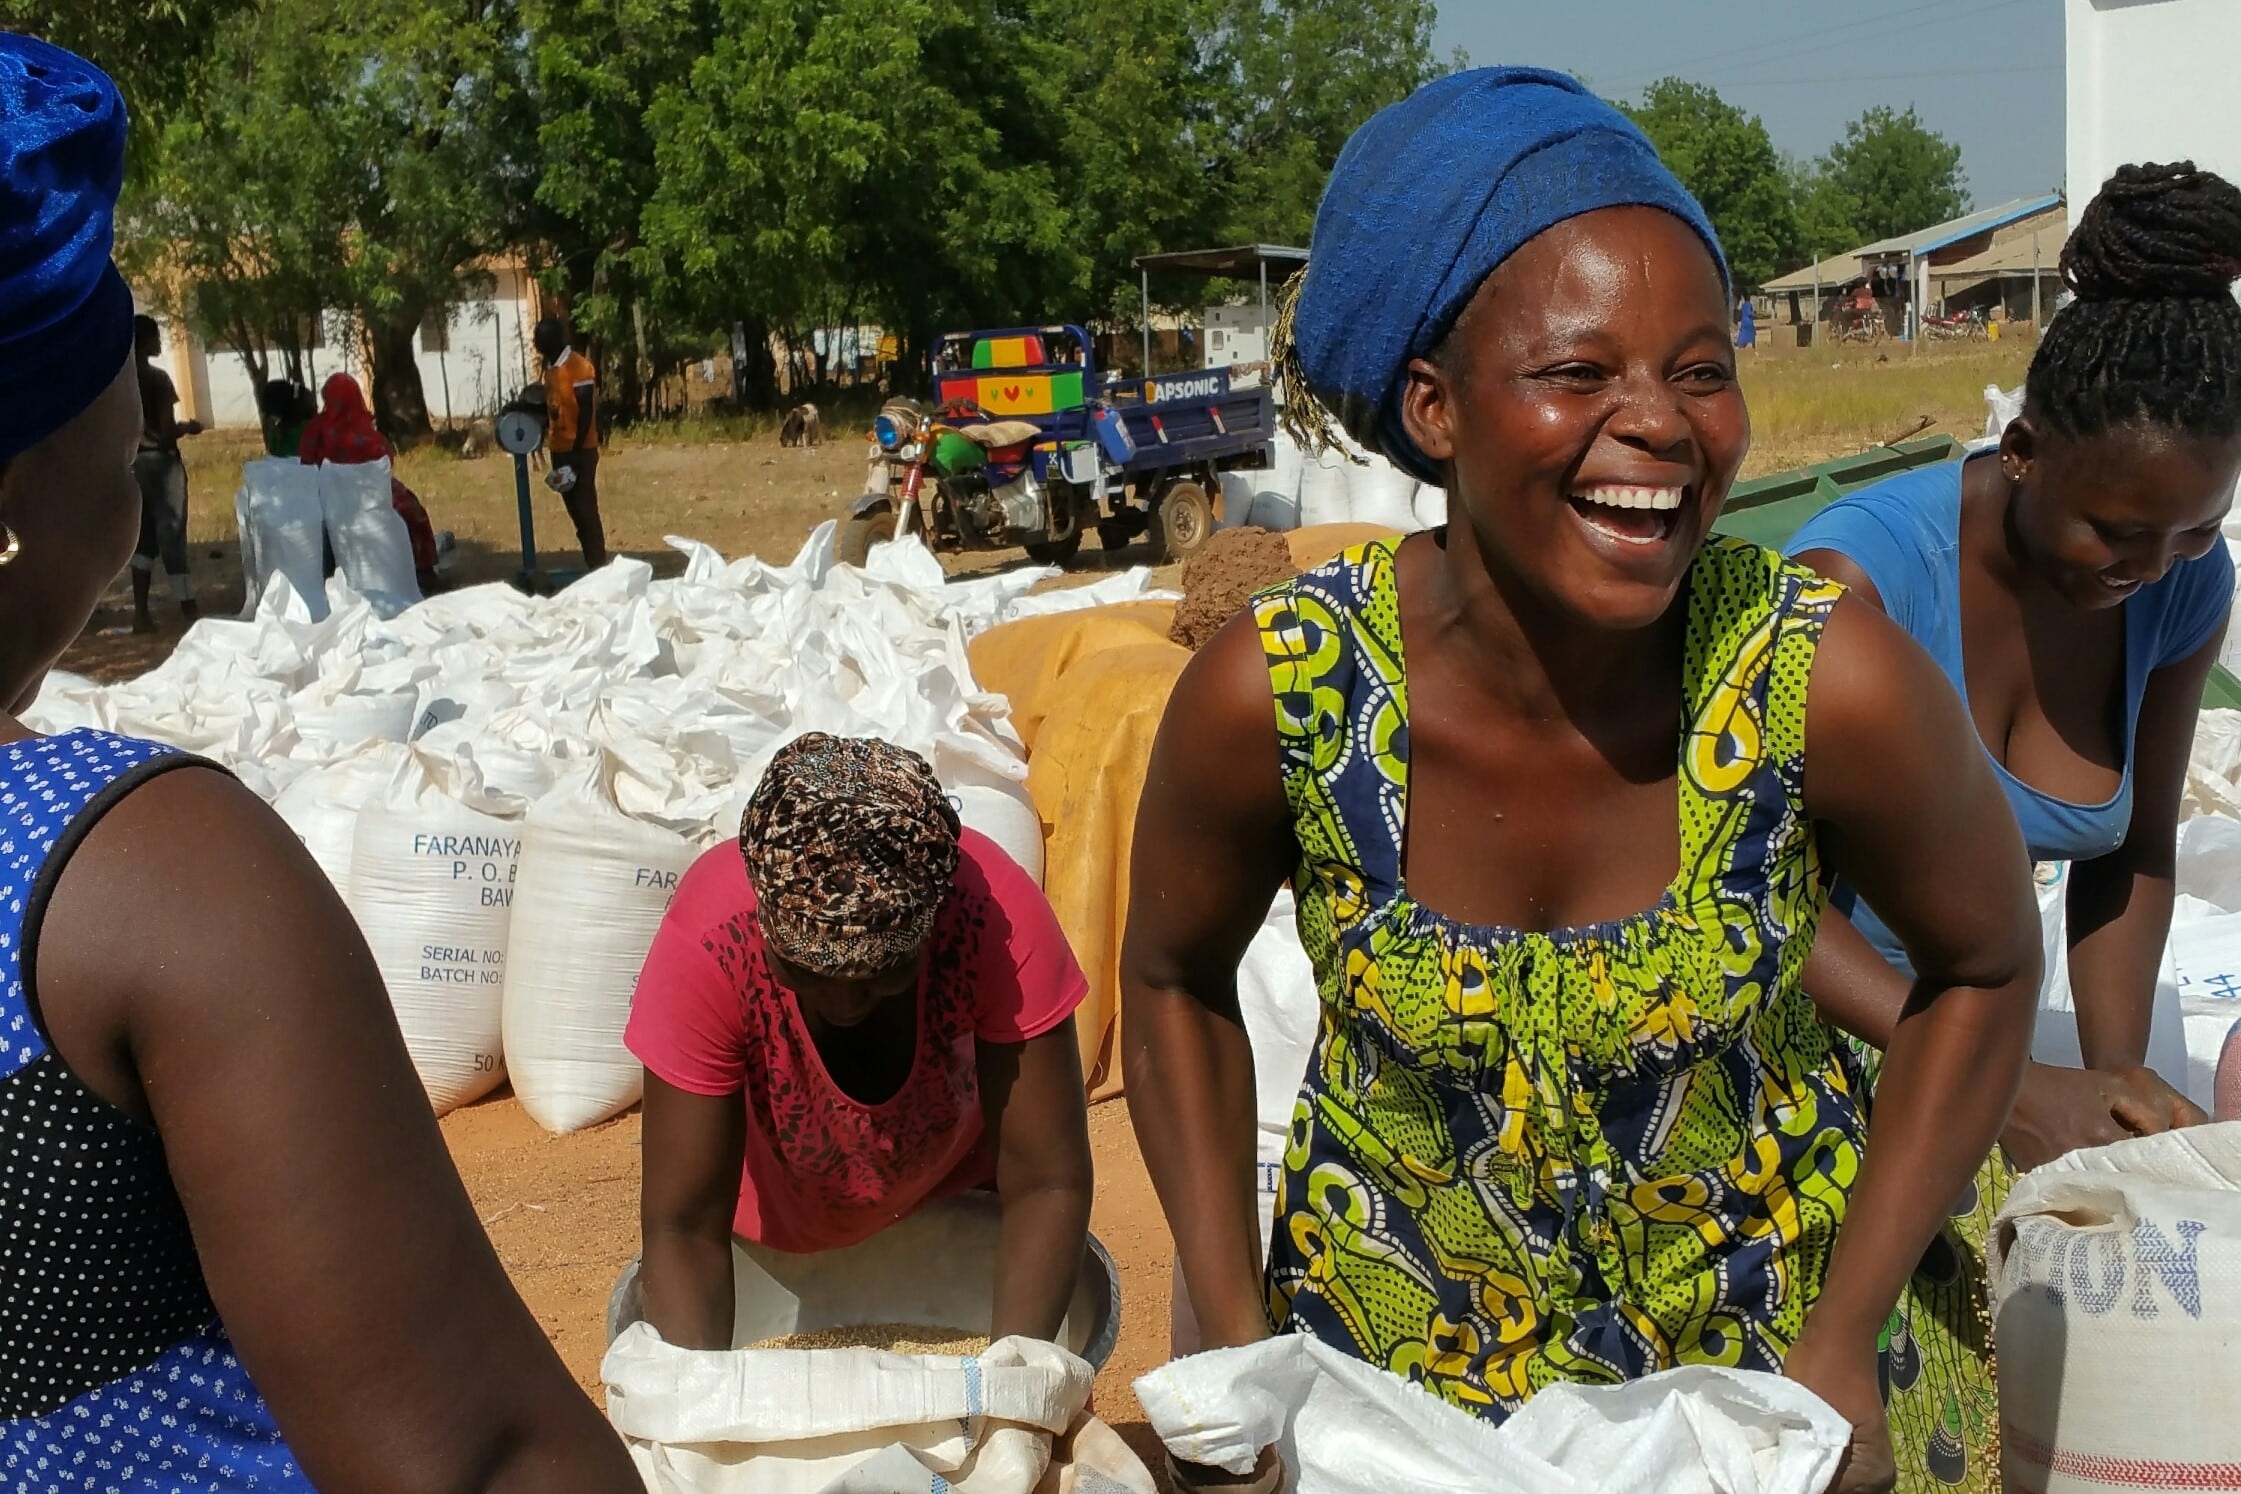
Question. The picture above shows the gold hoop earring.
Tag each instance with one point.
(12, 546)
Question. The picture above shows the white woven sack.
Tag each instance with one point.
(591, 892)
(2116, 1288)
(1276, 997)
(838, 1421)
(1382, 494)
(1344, 1426)
(1431, 506)
(1325, 492)
(1006, 815)
(322, 806)
(372, 547)
(432, 882)
(282, 530)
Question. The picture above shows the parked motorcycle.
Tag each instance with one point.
(965, 482)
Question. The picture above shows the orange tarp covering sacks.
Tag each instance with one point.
(1094, 690)
(1024, 660)
(1087, 691)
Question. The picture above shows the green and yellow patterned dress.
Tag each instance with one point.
(1583, 1155)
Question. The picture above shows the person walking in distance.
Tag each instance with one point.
(162, 476)
(572, 435)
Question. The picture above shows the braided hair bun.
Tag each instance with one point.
(2157, 232)
(2154, 336)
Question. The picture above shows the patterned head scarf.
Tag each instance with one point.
(852, 846)
(65, 314)
(1429, 198)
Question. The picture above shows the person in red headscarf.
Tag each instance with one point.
(344, 433)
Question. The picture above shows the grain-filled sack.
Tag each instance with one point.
(432, 885)
(1325, 488)
(373, 549)
(322, 805)
(283, 531)
(1344, 1426)
(592, 888)
(856, 1421)
(2116, 1290)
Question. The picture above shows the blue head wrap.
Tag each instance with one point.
(1431, 196)
(65, 314)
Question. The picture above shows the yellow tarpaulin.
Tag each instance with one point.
(1024, 660)
(1086, 774)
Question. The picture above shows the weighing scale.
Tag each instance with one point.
(521, 430)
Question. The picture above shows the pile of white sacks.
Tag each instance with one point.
(1344, 485)
(505, 789)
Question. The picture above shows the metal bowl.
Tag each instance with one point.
(936, 1268)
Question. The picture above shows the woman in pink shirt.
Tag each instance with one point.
(856, 1010)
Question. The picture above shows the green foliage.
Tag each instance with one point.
(152, 48)
(1725, 157)
(1828, 217)
(1903, 175)
(333, 157)
(674, 167)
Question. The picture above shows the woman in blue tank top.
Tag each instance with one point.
(233, 1252)
(2074, 588)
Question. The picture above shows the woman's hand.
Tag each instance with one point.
(2064, 1110)
(1268, 1477)
(1845, 1377)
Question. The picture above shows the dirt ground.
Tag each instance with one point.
(563, 1214)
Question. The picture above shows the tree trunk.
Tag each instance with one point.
(754, 374)
(400, 405)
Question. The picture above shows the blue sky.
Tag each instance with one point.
(1985, 73)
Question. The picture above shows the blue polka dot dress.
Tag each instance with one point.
(115, 1374)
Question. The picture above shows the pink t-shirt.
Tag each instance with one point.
(824, 1170)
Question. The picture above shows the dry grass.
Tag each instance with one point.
(1808, 404)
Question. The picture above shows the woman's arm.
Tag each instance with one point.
(1909, 811)
(1037, 1113)
(1857, 990)
(690, 1155)
(245, 1016)
(1213, 846)
(2120, 904)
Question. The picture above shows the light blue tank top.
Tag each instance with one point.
(1904, 534)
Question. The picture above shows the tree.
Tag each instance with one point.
(591, 74)
(1289, 81)
(151, 48)
(1904, 175)
(344, 157)
(1827, 216)
(1725, 157)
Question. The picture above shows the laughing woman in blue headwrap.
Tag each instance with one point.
(1557, 788)
(233, 1253)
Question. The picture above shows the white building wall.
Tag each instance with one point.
(2151, 80)
(485, 360)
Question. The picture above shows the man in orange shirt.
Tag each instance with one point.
(572, 435)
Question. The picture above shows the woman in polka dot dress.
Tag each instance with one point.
(233, 1252)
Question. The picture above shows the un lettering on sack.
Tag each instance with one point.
(592, 888)
(432, 869)
(2116, 1292)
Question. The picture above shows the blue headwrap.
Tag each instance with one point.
(1427, 199)
(65, 313)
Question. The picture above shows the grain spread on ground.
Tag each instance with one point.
(1221, 578)
(888, 1338)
